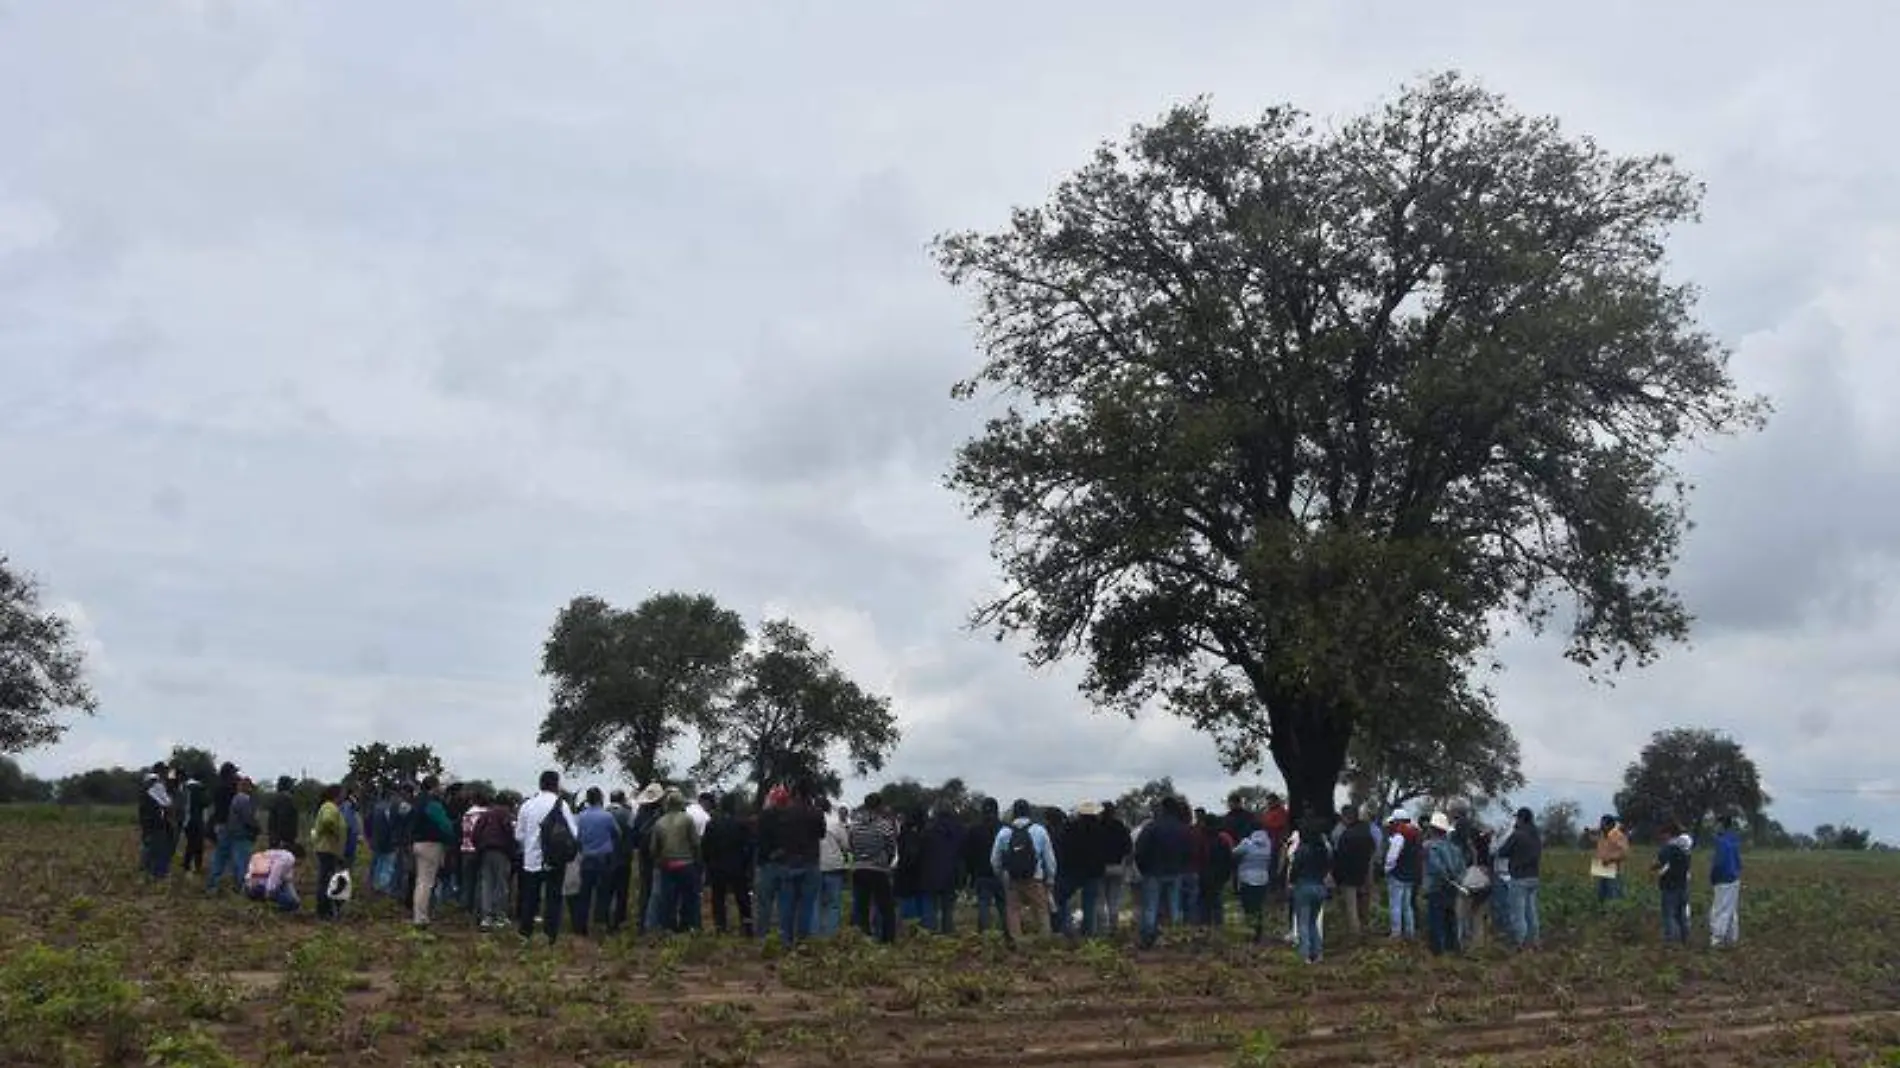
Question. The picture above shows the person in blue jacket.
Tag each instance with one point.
(1725, 878)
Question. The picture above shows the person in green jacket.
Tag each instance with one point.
(433, 836)
(327, 836)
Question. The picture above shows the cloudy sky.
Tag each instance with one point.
(343, 343)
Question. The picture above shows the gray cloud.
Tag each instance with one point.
(342, 348)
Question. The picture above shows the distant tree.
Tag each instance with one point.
(1298, 412)
(1467, 753)
(17, 786)
(1767, 833)
(378, 766)
(1827, 836)
(192, 762)
(1561, 824)
(626, 684)
(42, 671)
(906, 794)
(793, 708)
(1253, 796)
(1689, 775)
(101, 786)
(1137, 804)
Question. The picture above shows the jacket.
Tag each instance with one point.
(528, 827)
(1038, 835)
(283, 820)
(1444, 866)
(1352, 860)
(1522, 851)
(939, 867)
(194, 802)
(873, 843)
(327, 831)
(676, 839)
(1164, 849)
(1085, 848)
(1613, 847)
(1118, 844)
(221, 795)
(834, 848)
(429, 822)
(907, 873)
(1672, 863)
(599, 833)
(1253, 859)
(241, 818)
(1726, 865)
(494, 831)
(976, 849)
(727, 846)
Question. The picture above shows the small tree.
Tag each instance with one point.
(1561, 823)
(377, 767)
(16, 785)
(1139, 803)
(1468, 753)
(191, 762)
(42, 671)
(1689, 775)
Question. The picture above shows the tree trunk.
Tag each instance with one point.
(1309, 747)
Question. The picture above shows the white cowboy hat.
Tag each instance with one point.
(1441, 822)
(1089, 808)
(651, 794)
(1399, 815)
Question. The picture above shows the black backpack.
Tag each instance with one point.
(1019, 853)
(558, 847)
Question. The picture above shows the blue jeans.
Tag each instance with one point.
(1401, 896)
(382, 872)
(830, 903)
(1190, 898)
(1524, 925)
(989, 895)
(1441, 920)
(233, 853)
(1308, 900)
(798, 889)
(593, 891)
(679, 897)
(1091, 891)
(1675, 915)
(1609, 889)
(155, 854)
(765, 889)
(914, 908)
(1154, 890)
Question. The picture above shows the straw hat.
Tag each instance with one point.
(1089, 808)
(1441, 822)
(651, 794)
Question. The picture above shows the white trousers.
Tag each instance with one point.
(1725, 920)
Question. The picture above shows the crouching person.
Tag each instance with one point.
(273, 877)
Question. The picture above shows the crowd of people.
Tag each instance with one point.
(662, 861)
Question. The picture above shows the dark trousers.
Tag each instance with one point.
(737, 885)
(194, 857)
(872, 889)
(989, 896)
(328, 864)
(1441, 920)
(679, 898)
(613, 904)
(647, 883)
(540, 891)
(1212, 909)
(593, 895)
(471, 883)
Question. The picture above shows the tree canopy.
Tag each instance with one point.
(1296, 413)
(1690, 775)
(626, 684)
(16, 785)
(377, 767)
(193, 762)
(1139, 803)
(907, 795)
(792, 709)
(1393, 760)
(42, 671)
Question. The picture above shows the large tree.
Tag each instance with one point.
(193, 762)
(954, 796)
(1689, 775)
(793, 709)
(377, 767)
(42, 671)
(1295, 414)
(1394, 760)
(627, 683)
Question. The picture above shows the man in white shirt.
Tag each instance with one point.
(541, 880)
(699, 811)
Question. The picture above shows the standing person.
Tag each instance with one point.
(939, 869)
(1084, 849)
(769, 859)
(1310, 877)
(612, 913)
(327, 833)
(468, 854)
(1404, 863)
(1444, 872)
(237, 836)
(222, 791)
(156, 830)
(380, 831)
(1278, 820)
(283, 814)
(1725, 880)
(834, 855)
(1672, 880)
(801, 834)
(729, 845)
(1354, 861)
(873, 851)
(1216, 873)
(352, 825)
(1606, 863)
(907, 873)
(646, 813)
(599, 836)
(676, 851)
(1163, 852)
(1024, 858)
(402, 825)
(1253, 864)
(1118, 846)
(433, 834)
(549, 837)
(984, 882)
(193, 794)
(1522, 853)
(495, 846)
(1240, 822)
(700, 810)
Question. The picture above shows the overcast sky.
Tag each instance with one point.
(343, 343)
